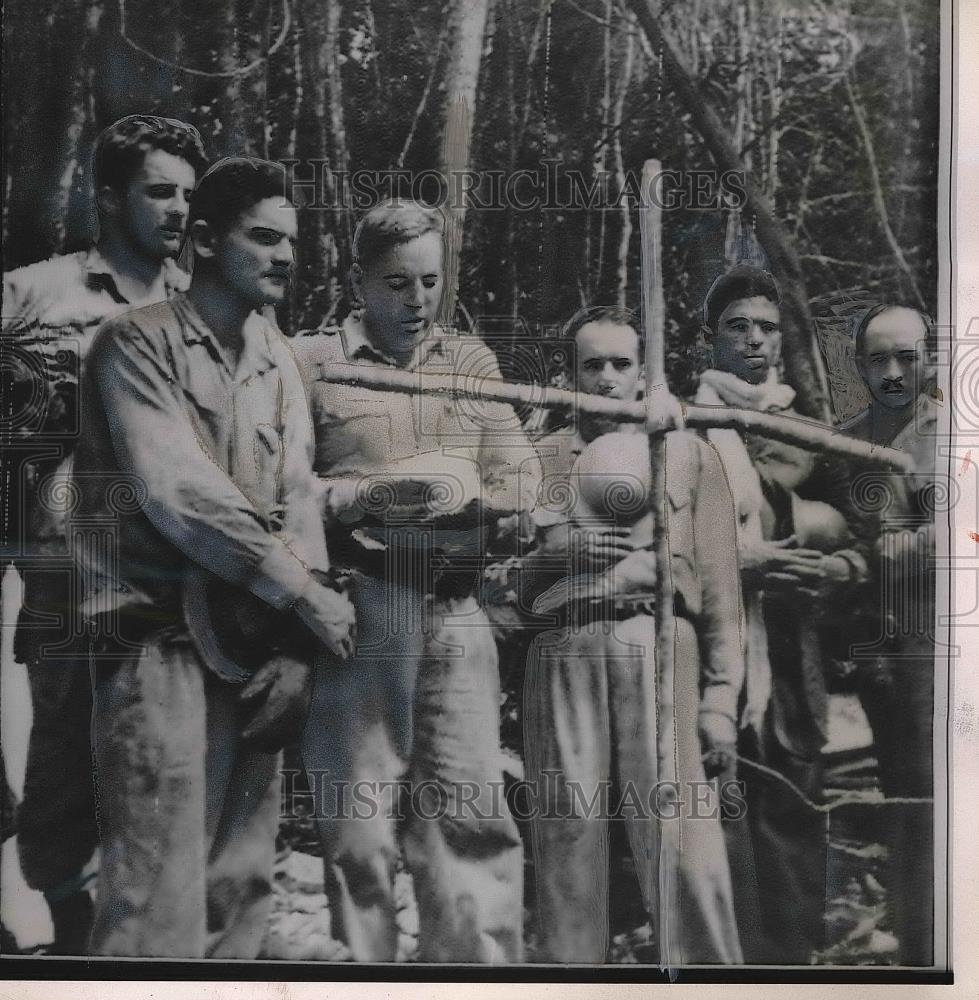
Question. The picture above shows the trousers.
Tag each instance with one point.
(188, 816)
(778, 852)
(898, 697)
(57, 831)
(590, 718)
(404, 740)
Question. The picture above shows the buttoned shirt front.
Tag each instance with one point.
(365, 430)
(190, 460)
(469, 448)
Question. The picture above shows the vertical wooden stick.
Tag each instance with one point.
(654, 324)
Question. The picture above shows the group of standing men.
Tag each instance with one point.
(264, 557)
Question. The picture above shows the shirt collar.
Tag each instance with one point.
(358, 347)
(256, 355)
(100, 276)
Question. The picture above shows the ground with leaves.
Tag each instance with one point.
(856, 920)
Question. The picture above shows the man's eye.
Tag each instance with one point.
(908, 356)
(430, 282)
(265, 238)
(769, 328)
(397, 285)
(161, 191)
(621, 366)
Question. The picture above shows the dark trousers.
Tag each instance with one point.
(898, 697)
(778, 853)
(57, 831)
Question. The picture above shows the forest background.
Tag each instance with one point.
(825, 116)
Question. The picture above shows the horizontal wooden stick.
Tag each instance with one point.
(792, 430)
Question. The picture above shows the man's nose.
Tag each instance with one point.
(179, 204)
(893, 373)
(413, 295)
(755, 337)
(285, 255)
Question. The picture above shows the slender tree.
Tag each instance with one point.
(467, 30)
(802, 367)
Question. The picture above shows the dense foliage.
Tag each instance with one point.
(835, 112)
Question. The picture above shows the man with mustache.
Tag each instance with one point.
(895, 669)
(198, 452)
(419, 705)
(144, 171)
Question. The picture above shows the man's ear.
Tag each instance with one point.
(108, 201)
(356, 278)
(707, 333)
(202, 238)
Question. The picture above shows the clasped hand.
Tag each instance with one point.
(777, 565)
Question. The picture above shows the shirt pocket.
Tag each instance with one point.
(360, 432)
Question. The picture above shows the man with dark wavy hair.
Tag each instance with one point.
(144, 170)
(198, 449)
(801, 556)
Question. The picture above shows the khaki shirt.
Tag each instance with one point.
(471, 448)
(189, 462)
(51, 312)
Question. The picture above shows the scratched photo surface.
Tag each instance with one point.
(471, 485)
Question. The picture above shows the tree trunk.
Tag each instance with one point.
(802, 369)
(85, 18)
(877, 189)
(327, 230)
(466, 33)
(625, 235)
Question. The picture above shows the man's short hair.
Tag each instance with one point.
(617, 315)
(743, 281)
(231, 187)
(122, 147)
(860, 333)
(390, 223)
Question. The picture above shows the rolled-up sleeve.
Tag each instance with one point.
(716, 557)
(190, 500)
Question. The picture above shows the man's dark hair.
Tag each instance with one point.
(743, 281)
(860, 334)
(122, 147)
(231, 187)
(618, 315)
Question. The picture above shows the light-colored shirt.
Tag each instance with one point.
(192, 462)
(472, 449)
(51, 312)
(370, 429)
(702, 538)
